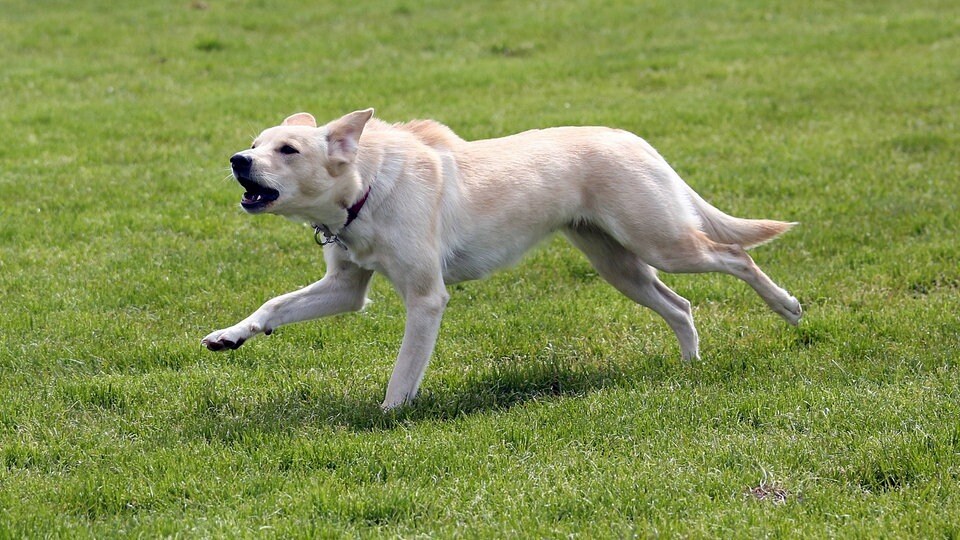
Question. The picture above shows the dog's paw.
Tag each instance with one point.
(393, 404)
(228, 338)
(792, 311)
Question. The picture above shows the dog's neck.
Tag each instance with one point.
(330, 237)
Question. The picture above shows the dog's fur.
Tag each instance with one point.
(440, 210)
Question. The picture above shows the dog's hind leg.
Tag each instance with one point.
(638, 281)
(695, 252)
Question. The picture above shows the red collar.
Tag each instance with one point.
(354, 210)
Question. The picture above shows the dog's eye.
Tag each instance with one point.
(287, 149)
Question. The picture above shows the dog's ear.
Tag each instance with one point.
(300, 119)
(343, 138)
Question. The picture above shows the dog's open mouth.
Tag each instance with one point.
(256, 197)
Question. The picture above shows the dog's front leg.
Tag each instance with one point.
(425, 302)
(344, 288)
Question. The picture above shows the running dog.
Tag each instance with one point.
(426, 209)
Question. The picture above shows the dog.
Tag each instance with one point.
(425, 208)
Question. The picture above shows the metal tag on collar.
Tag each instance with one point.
(328, 237)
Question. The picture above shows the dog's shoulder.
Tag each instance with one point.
(431, 133)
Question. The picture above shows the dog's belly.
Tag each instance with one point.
(465, 264)
(478, 257)
(462, 265)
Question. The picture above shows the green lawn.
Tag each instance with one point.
(553, 406)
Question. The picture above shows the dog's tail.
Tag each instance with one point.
(726, 229)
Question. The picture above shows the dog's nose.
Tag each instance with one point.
(240, 163)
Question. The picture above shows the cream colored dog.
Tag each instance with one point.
(425, 208)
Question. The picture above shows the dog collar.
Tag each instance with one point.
(328, 236)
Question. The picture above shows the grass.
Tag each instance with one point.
(553, 406)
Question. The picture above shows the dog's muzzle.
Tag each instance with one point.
(257, 197)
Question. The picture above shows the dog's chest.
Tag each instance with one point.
(354, 248)
(364, 258)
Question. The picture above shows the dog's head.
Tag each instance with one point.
(297, 166)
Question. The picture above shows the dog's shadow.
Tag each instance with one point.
(219, 417)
